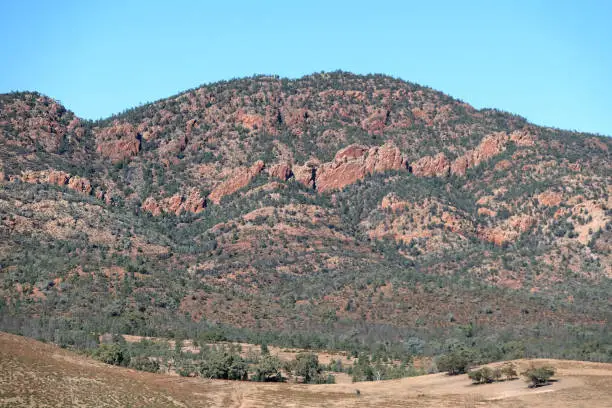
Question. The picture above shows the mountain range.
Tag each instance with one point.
(335, 210)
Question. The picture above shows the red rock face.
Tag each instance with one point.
(384, 158)
(80, 184)
(241, 179)
(522, 223)
(151, 205)
(503, 165)
(194, 202)
(306, 173)
(250, 121)
(295, 119)
(176, 204)
(59, 178)
(118, 142)
(550, 198)
(281, 171)
(354, 162)
(428, 166)
(490, 146)
(119, 149)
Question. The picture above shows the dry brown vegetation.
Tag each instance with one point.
(35, 374)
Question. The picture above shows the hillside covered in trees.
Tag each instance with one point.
(335, 210)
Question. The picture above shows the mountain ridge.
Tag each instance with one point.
(333, 202)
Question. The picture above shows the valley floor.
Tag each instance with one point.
(34, 374)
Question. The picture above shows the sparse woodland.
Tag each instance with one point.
(335, 211)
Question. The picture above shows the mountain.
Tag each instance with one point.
(333, 210)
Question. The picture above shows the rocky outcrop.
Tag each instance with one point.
(522, 223)
(151, 205)
(393, 203)
(503, 165)
(508, 231)
(59, 178)
(490, 146)
(307, 173)
(240, 179)
(353, 163)
(429, 166)
(486, 212)
(119, 150)
(250, 121)
(550, 198)
(281, 171)
(118, 142)
(80, 184)
(193, 202)
(497, 235)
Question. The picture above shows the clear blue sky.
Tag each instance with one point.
(550, 61)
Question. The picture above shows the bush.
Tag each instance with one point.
(456, 362)
(483, 375)
(144, 364)
(111, 354)
(268, 369)
(538, 376)
(224, 366)
(509, 371)
(306, 365)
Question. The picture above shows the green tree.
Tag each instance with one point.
(111, 354)
(268, 369)
(144, 364)
(306, 365)
(538, 376)
(456, 362)
(224, 366)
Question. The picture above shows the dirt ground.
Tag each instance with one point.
(285, 354)
(34, 374)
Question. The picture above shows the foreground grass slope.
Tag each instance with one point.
(34, 374)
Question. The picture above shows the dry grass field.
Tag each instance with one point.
(34, 374)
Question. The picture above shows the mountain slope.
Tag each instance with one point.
(365, 208)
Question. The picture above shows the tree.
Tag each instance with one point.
(538, 376)
(224, 366)
(362, 370)
(509, 371)
(268, 369)
(483, 375)
(456, 362)
(306, 365)
(111, 354)
(144, 364)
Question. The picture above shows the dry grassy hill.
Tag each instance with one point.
(34, 374)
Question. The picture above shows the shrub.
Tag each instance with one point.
(111, 354)
(306, 365)
(538, 376)
(483, 375)
(144, 364)
(509, 371)
(224, 366)
(456, 362)
(268, 369)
